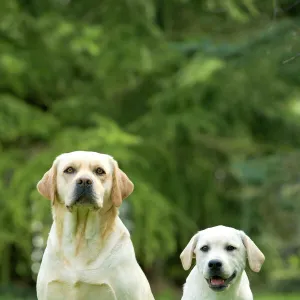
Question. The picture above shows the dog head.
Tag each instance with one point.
(221, 254)
(83, 178)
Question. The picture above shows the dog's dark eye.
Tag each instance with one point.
(230, 248)
(69, 170)
(100, 171)
(204, 249)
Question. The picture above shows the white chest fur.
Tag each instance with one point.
(78, 263)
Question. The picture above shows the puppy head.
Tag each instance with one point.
(221, 254)
(83, 178)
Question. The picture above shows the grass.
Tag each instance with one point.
(279, 297)
(170, 296)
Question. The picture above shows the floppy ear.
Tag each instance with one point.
(187, 254)
(122, 186)
(255, 257)
(47, 185)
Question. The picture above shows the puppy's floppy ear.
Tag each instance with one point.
(187, 254)
(47, 185)
(122, 186)
(255, 257)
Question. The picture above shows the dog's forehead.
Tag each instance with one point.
(86, 158)
(220, 235)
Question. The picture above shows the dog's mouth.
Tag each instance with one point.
(83, 200)
(85, 205)
(218, 283)
(84, 197)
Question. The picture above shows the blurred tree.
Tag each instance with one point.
(195, 99)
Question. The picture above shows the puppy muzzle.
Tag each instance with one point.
(218, 281)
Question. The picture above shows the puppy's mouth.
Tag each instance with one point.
(218, 283)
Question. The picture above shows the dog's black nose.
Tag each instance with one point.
(215, 264)
(84, 182)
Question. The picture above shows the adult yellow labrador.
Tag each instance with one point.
(89, 253)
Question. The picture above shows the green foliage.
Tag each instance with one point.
(278, 297)
(197, 100)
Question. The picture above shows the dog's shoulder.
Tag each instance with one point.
(129, 282)
(244, 291)
(193, 287)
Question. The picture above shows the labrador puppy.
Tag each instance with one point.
(221, 254)
(89, 253)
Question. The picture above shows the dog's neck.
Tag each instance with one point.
(81, 231)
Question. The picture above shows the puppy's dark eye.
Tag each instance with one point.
(100, 171)
(69, 170)
(204, 248)
(230, 248)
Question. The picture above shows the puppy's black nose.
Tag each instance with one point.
(84, 182)
(215, 264)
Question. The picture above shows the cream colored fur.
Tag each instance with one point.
(89, 253)
(233, 262)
